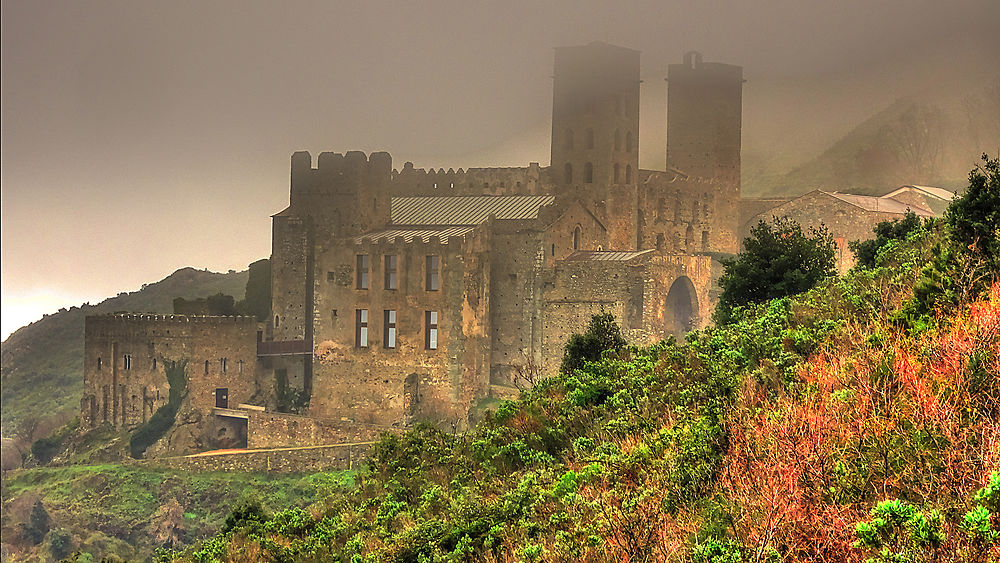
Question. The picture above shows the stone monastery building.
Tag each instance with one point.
(404, 294)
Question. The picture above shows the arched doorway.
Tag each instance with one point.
(681, 307)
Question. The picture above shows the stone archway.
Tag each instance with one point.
(681, 307)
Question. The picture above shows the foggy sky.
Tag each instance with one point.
(140, 137)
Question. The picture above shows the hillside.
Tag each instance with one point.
(858, 421)
(915, 140)
(42, 363)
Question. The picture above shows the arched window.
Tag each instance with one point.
(206, 367)
(618, 140)
(98, 364)
(704, 241)
(694, 211)
(628, 142)
(661, 242)
(276, 321)
(689, 238)
(590, 138)
(677, 210)
(568, 139)
(568, 173)
(588, 173)
(628, 173)
(577, 235)
(661, 208)
(616, 172)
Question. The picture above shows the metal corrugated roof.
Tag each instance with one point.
(607, 255)
(465, 210)
(409, 234)
(880, 204)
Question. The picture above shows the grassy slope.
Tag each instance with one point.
(42, 363)
(116, 509)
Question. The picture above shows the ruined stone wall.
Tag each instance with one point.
(277, 460)
(381, 385)
(126, 357)
(290, 257)
(517, 260)
(276, 430)
(663, 314)
(575, 291)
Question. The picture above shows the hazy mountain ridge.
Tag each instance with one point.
(42, 363)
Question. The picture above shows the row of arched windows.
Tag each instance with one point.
(588, 173)
(588, 140)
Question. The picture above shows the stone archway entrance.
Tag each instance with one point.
(681, 307)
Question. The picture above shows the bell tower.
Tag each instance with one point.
(595, 116)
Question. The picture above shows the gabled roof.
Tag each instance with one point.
(606, 255)
(465, 210)
(939, 193)
(879, 204)
(408, 235)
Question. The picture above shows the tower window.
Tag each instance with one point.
(389, 329)
(628, 142)
(568, 173)
(363, 267)
(704, 241)
(590, 138)
(223, 364)
(618, 139)
(617, 170)
(568, 139)
(577, 235)
(127, 361)
(206, 367)
(628, 173)
(98, 364)
(433, 273)
(361, 328)
(390, 271)
(431, 330)
(588, 173)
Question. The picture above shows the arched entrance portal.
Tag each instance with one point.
(681, 307)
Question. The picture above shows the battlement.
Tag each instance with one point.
(449, 239)
(151, 324)
(471, 181)
(159, 318)
(337, 173)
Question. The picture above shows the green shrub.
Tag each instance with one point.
(602, 335)
(157, 426)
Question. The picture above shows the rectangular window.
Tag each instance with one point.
(361, 328)
(389, 329)
(364, 266)
(390, 271)
(433, 272)
(431, 330)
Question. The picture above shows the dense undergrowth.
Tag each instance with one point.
(842, 424)
(128, 511)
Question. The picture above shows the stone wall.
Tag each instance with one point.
(279, 460)
(126, 358)
(276, 430)
(386, 385)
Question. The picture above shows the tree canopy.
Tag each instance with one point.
(778, 259)
(974, 216)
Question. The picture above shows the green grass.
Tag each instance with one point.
(109, 502)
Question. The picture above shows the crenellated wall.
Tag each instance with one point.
(412, 181)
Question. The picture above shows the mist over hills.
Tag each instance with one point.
(42, 363)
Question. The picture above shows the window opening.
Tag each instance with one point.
(361, 328)
(363, 267)
(433, 273)
(389, 331)
(588, 173)
(431, 330)
(390, 271)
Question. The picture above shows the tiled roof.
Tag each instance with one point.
(465, 210)
(607, 255)
(939, 193)
(879, 204)
(409, 234)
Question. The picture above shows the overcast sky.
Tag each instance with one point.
(141, 137)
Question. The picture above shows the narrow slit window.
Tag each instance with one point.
(433, 273)
(389, 330)
(206, 367)
(431, 332)
(361, 328)
(363, 267)
(222, 364)
(98, 364)
(391, 277)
